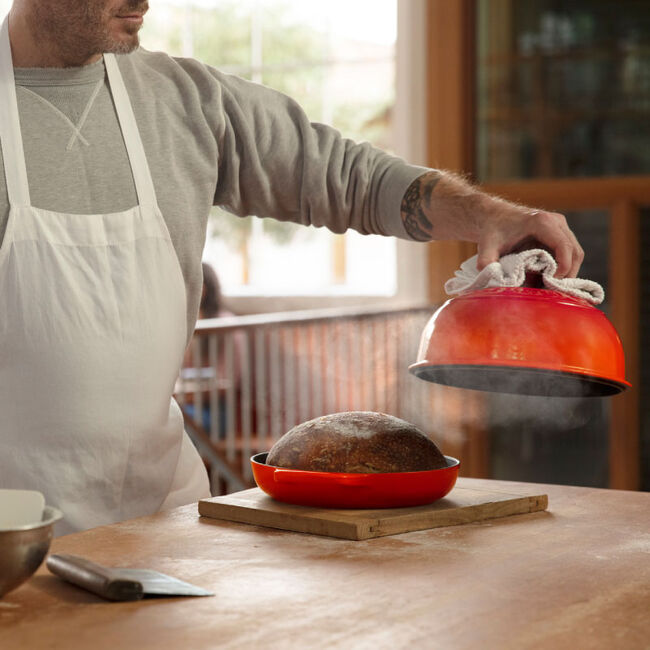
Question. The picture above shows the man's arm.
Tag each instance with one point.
(441, 205)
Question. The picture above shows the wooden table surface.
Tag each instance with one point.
(576, 576)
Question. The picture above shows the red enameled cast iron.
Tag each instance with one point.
(338, 490)
(522, 340)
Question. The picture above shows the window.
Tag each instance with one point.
(342, 60)
(563, 89)
(341, 67)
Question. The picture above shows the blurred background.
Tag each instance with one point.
(542, 102)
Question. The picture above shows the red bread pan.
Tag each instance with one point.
(339, 490)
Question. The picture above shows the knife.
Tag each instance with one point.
(117, 583)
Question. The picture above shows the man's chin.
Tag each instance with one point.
(123, 45)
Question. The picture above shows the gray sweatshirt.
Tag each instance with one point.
(210, 139)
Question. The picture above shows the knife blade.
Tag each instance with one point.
(119, 584)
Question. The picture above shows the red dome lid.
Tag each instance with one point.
(522, 340)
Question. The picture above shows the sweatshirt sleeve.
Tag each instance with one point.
(274, 162)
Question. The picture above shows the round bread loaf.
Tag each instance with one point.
(356, 442)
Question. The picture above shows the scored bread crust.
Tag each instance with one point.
(356, 442)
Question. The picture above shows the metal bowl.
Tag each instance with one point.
(23, 549)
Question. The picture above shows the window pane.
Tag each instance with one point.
(563, 88)
(340, 67)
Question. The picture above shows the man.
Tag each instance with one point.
(110, 167)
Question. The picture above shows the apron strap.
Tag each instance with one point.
(13, 154)
(137, 158)
(11, 138)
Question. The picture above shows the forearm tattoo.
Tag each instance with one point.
(416, 198)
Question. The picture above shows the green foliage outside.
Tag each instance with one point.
(293, 58)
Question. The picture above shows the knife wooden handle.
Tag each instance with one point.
(100, 580)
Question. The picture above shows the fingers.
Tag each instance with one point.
(488, 252)
(564, 258)
(569, 258)
(578, 258)
(564, 246)
(523, 229)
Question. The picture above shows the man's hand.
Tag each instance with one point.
(440, 205)
(513, 228)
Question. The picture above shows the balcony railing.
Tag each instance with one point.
(252, 378)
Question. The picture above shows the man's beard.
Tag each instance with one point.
(80, 30)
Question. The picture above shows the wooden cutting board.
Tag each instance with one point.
(463, 505)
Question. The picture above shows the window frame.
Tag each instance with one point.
(410, 140)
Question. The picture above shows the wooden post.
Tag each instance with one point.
(450, 146)
(450, 92)
(450, 115)
(624, 470)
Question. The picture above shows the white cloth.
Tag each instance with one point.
(92, 335)
(510, 271)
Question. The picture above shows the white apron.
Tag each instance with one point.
(92, 335)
